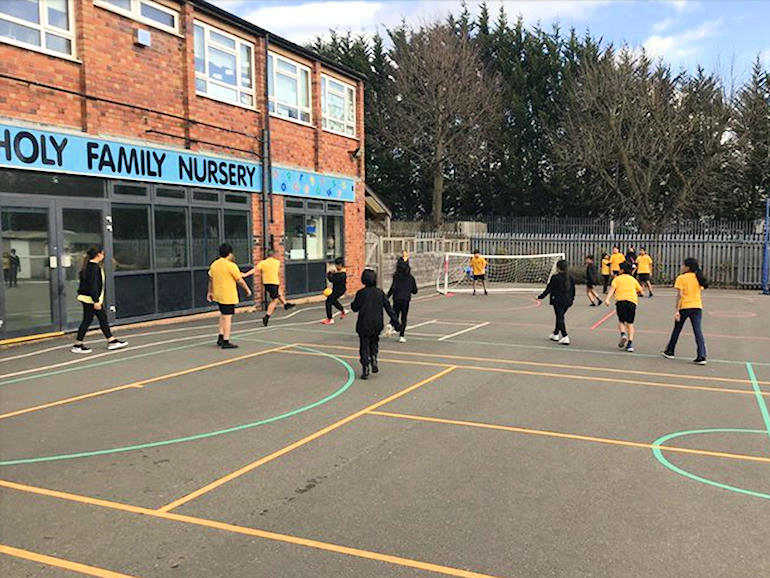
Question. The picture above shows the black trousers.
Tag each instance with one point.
(606, 282)
(561, 327)
(333, 300)
(401, 309)
(88, 317)
(369, 347)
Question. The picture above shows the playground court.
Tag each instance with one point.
(480, 449)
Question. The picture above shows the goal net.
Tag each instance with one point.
(504, 273)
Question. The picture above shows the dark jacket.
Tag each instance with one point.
(370, 302)
(561, 288)
(91, 281)
(403, 287)
(339, 281)
(591, 276)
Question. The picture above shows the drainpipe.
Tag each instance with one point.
(266, 172)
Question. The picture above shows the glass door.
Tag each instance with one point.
(29, 257)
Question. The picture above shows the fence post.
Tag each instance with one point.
(766, 251)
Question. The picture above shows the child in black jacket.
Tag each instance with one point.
(561, 288)
(369, 303)
(339, 280)
(401, 289)
(592, 280)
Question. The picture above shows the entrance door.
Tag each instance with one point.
(43, 242)
(29, 249)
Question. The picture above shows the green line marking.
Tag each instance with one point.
(349, 382)
(759, 396)
(662, 459)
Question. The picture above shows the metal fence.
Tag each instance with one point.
(727, 260)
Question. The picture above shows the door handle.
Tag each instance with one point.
(53, 262)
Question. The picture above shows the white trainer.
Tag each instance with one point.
(554, 337)
(402, 339)
(564, 340)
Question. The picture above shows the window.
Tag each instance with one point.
(294, 231)
(205, 236)
(145, 11)
(129, 190)
(170, 193)
(334, 237)
(207, 196)
(170, 237)
(46, 25)
(237, 234)
(316, 239)
(338, 104)
(288, 86)
(131, 237)
(224, 66)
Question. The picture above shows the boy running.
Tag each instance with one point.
(626, 289)
(479, 270)
(615, 260)
(339, 280)
(271, 281)
(224, 278)
(591, 281)
(605, 271)
(644, 269)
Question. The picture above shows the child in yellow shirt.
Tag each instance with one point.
(479, 270)
(689, 306)
(644, 269)
(625, 288)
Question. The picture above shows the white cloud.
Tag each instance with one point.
(683, 44)
(683, 5)
(663, 25)
(764, 57)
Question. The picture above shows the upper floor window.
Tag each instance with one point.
(46, 25)
(288, 86)
(145, 11)
(224, 66)
(338, 103)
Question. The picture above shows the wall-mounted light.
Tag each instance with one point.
(357, 153)
(143, 38)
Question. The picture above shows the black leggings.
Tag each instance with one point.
(606, 282)
(561, 326)
(401, 309)
(88, 317)
(333, 299)
(369, 347)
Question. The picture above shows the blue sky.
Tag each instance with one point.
(720, 35)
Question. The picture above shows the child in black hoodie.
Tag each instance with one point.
(401, 289)
(369, 303)
(339, 280)
(561, 288)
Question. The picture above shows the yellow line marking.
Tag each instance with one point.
(553, 365)
(299, 443)
(285, 538)
(60, 562)
(579, 437)
(142, 383)
(549, 374)
(31, 337)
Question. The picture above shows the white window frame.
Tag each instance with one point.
(44, 27)
(135, 13)
(239, 88)
(273, 101)
(347, 88)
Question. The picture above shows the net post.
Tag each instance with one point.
(446, 273)
(766, 251)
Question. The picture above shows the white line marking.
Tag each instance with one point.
(456, 333)
(410, 327)
(427, 334)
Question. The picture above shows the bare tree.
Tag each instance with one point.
(443, 104)
(653, 139)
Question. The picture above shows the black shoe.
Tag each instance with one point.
(485, 292)
(699, 361)
(228, 345)
(116, 344)
(650, 295)
(289, 306)
(220, 341)
(593, 304)
(375, 367)
(667, 354)
(80, 348)
(265, 320)
(365, 372)
(598, 302)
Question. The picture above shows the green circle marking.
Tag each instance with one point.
(656, 450)
(350, 379)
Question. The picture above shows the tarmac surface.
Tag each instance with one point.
(480, 449)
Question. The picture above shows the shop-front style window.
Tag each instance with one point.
(288, 87)
(338, 103)
(224, 66)
(145, 11)
(44, 25)
(131, 237)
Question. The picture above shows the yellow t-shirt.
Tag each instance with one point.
(644, 264)
(224, 277)
(690, 290)
(270, 268)
(605, 266)
(627, 288)
(615, 260)
(478, 265)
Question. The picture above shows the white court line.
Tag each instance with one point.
(465, 323)
(426, 334)
(456, 333)
(410, 327)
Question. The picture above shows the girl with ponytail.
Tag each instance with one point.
(689, 305)
(91, 296)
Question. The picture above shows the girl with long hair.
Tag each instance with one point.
(689, 305)
(561, 288)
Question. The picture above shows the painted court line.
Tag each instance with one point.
(760, 397)
(140, 384)
(410, 327)
(456, 333)
(285, 538)
(60, 563)
(578, 437)
(602, 320)
(299, 443)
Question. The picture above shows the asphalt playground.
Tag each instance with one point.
(480, 449)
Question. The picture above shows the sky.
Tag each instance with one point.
(723, 36)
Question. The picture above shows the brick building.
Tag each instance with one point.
(160, 128)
